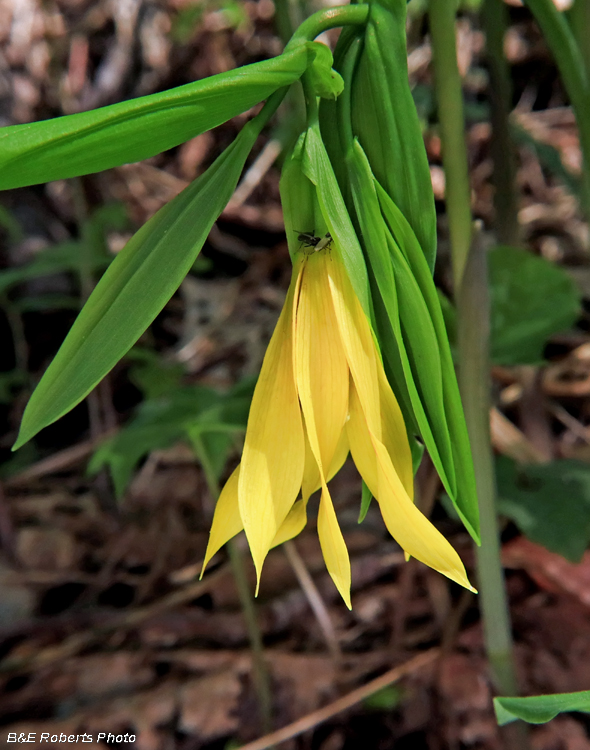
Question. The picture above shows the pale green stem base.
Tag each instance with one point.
(260, 674)
(470, 275)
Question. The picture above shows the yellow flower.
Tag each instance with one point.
(322, 391)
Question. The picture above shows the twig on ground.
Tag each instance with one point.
(58, 461)
(315, 600)
(127, 620)
(315, 718)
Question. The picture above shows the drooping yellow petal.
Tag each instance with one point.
(321, 373)
(296, 521)
(320, 362)
(226, 519)
(361, 446)
(311, 475)
(394, 437)
(334, 547)
(412, 530)
(357, 341)
(272, 460)
(393, 432)
(293, 525)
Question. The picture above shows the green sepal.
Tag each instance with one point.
(134, 130)
(325, 81)
(385, 120)
(366, 498)
(404, 238)
(135, 287)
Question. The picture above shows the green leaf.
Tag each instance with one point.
(538, 709)
(465, 498)
(134, 130)
(10, 225)
(135, 287)
(531, 299)
(152, 374)
(550, 503)
(385, 699)
(185, 412)
(385, 120)
(317, 167)
(65, 257)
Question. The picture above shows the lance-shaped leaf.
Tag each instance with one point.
(405, 239)
(317, 167)
(408, 340)
(537, 709)
(130, 131)
(385, 120)
(136, 286)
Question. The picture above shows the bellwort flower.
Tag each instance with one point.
(323, 392)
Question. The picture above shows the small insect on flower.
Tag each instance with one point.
(318, 243)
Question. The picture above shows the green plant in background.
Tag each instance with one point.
(517, 328)
(537, 709)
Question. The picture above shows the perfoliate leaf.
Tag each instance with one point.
(531, 299)
(136, 286)
(130, 131)
(538, 709)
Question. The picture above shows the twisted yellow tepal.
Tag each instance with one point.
(322, 391)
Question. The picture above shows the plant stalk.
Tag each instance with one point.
(261, 677)
(579, 20)
(322, 20)
(449, 97)
(494, 16)
(470, 275)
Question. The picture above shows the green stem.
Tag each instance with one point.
(469, 266)
(260, 672)
(579, 20)
(259, 668)
(447, 83)
(494, 15)
(474, 381)
(572, 69)
(341, 15)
